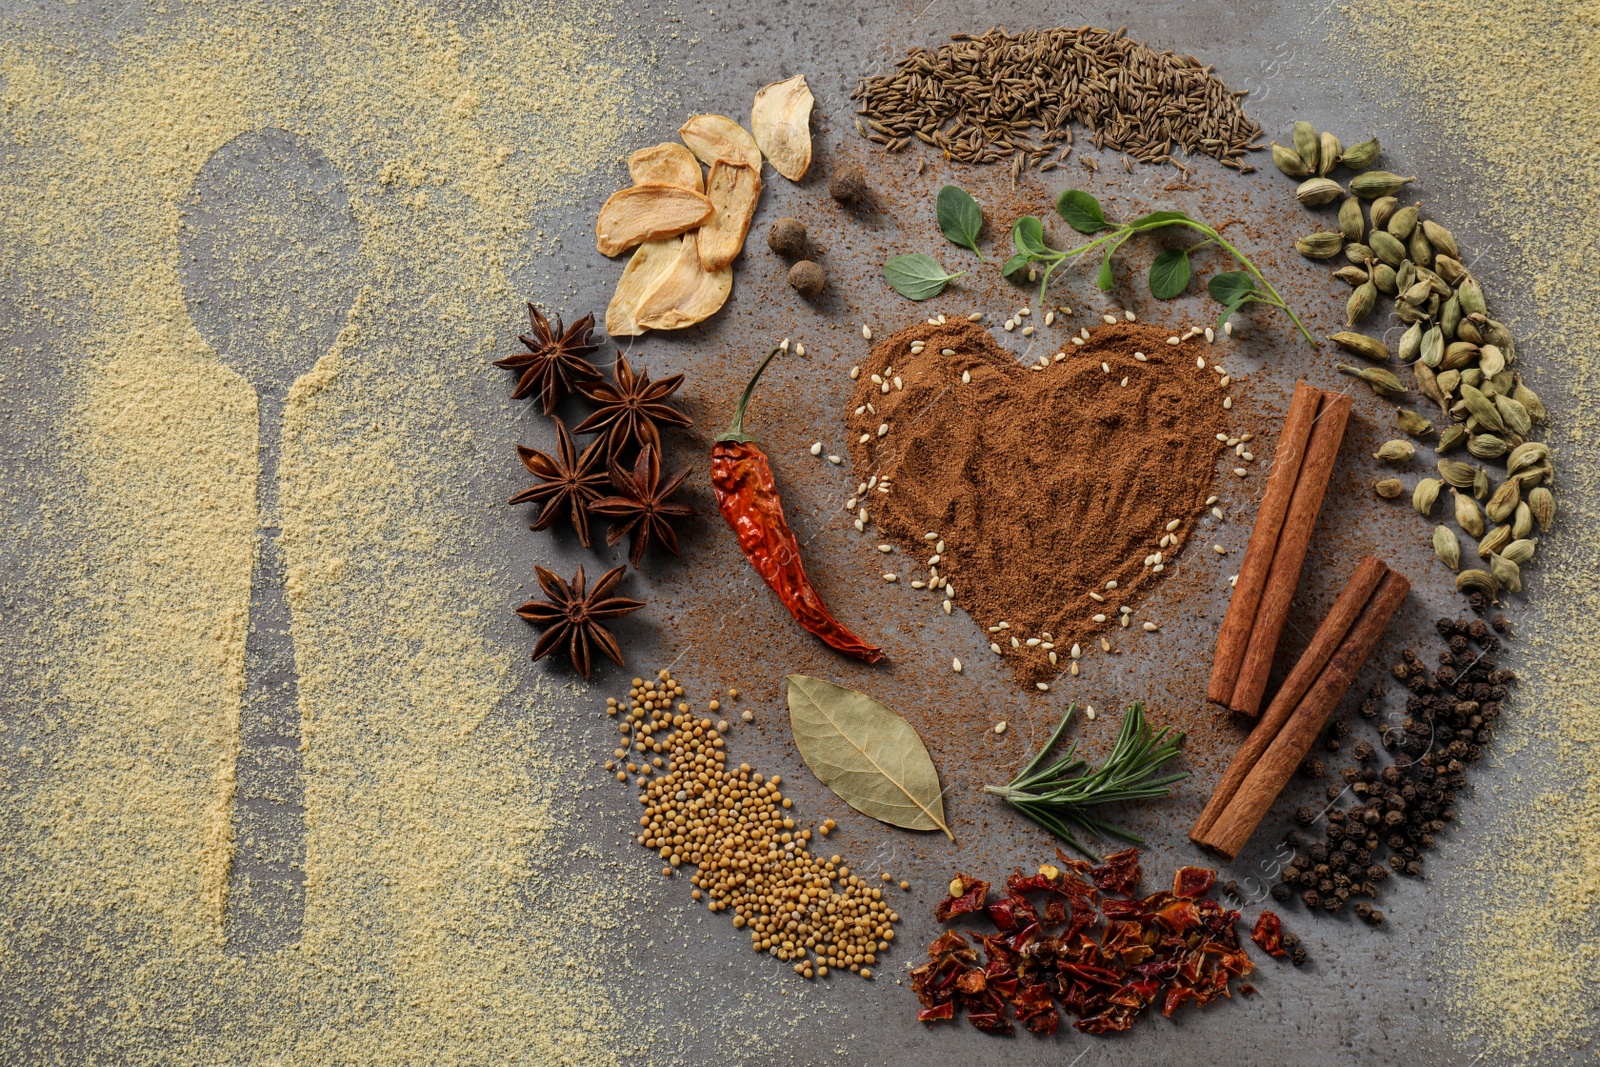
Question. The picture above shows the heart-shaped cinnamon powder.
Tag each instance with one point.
(1044, 484)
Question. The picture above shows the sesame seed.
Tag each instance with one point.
(884, 387)
(890, 576)
(862, 410)
(1105, 646)
(1074, 668)
(1150, 627)
(816, 448)
(1212, 500)
(1059, 356)
(1172, 340)
(919, 585)
(976, 316)
(1225, 380)
(1010, 324)
(1158, 568)
(947, 351)
(799, 350)
(1084, 333)
(966, 377)
(865, 438)
(1247, 437)
(1111, 584)
(835, 460)
(783, 345)
(863, 515)
(938, 547)
(1042, 687)
(1200, 361)
(1211, 335)
(1124, 621)
(898, 384)
(1173, 525)
(860, 526)
(1240, 471)
(1141, 357)
(955, 665)
(1076, 652)
(850, 505)
(1000, 727)
(933, 559)
(883, 429)
(871, 410)
(1024, 311)
(1046, 645)
(1233, 580)
(1130, 316)
(1123, 383)
(947, 607)
(930, 536)
(1052, 659)
(1088, 713)
(1015, 643)
(1027, 331)
(1219, 550)
(877, 379)
(862, 488)
(1233, 442)
(866, 331)
(1077, 340)
(1033, 642)
(1110, 320)
(1049, 317)
(994, 648)
(1097, 596)
(885, 548)
(855, 372)
(1227, 403)
(1227, 328)
(1004, 625)
(1216, 513)
(1247, 456)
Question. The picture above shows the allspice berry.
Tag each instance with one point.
(848, 186)
(807, 278)
(787, 237)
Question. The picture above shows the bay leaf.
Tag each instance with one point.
(865, 753)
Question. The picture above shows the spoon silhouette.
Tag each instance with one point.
(269, 254)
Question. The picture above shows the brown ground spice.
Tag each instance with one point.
(1043, 485)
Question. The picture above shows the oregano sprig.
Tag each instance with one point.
(1169, 273)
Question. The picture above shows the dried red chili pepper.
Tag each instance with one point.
(1191, 883)
(1269, 934)
(748, 497)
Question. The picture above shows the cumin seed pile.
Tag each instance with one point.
(980, 99)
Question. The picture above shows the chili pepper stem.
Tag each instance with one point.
(735, 431)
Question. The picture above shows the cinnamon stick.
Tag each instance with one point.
(1247, 590)
(1321, 450)
(1278, 763)
(1357, 591)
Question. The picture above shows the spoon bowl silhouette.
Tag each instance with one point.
(269, 255)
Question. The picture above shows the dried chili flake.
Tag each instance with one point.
(1118, 873)
(972, 898)
(1193, 882)
(1268, 934)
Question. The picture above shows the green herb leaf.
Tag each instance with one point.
(917, 277)
(1104, 279)
(1062, 795)
(960, 218)
(1157, 219)
(1015, 264)
(1231, 287)
(1169, 274)
(1027, 235)
(1081, 211)
(865, 753)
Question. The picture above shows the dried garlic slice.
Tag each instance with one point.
(664, 287)
(734, 190)
(647, 213)
(667, 163)
(714, 137)
(781, 123)
(649, 263)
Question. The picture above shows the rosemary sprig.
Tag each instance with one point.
(1066, 792)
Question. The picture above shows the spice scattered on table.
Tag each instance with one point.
(574, 616)
(556, 361)
(979, 99)
(1161, 950)
(737, 829)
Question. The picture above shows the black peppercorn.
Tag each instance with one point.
(1298, 957)
(1282, 893)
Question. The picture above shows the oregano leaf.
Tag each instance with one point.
(1169, 273)
(1104, 279)
(1081, 211)
(1027, 235)
(916, 276)
(1230, 287)
(960, 218)
(1015, 264)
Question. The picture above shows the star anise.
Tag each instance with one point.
(554, 364)
(631, 408)
(643, 504)
(573, 616)
(567, 481)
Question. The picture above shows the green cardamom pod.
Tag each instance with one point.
(1476, 581)
(1486, 446)
(1396, 451)
(1542, 503)
(1388, 488)
(1496, 334)
(1527, 455)
(1418, 294)
(1320, 245)
(1458, 355)
(1449, 269)
(1493, 541)
(1412, 423)
(1410, 344)
(1449, 381)
(1530, 400)
(1450, 317)
(1433, 308)
(1441, 239)
(1425, 495)
(1503, 504)
(1361, 156)
(1482, 408)
(1361, 345)
(1405, 275)
(1436, 283)
(1456, 473)
(1491, 360)
(1314, 192)
(1466, 329)
(1403, 221)
(1305, 142)
(1381, 381)
(1351, 224)
(1451, 438)
(1359, 254)
(1520, 551)
(1409, 313)
(1447, 547)
(1387, 247)
(1362, 300)
(1329, 152)
(1522, 521)
(1508, 574)
(1471, 296)
(1352, 276)
(1480, 481)
(1468, 517)
(1514, 415)
(1532, 476)
(1384, 278)
(1432, 347)
(1383, 210)
(1376, 183)
(1419, 248)
(1471, 376)
(1289, 161)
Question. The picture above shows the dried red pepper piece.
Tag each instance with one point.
(972, 898)
(749, 501)
(1192, 883)
(1268, 933)
(1118, 872)
(939, 1013)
